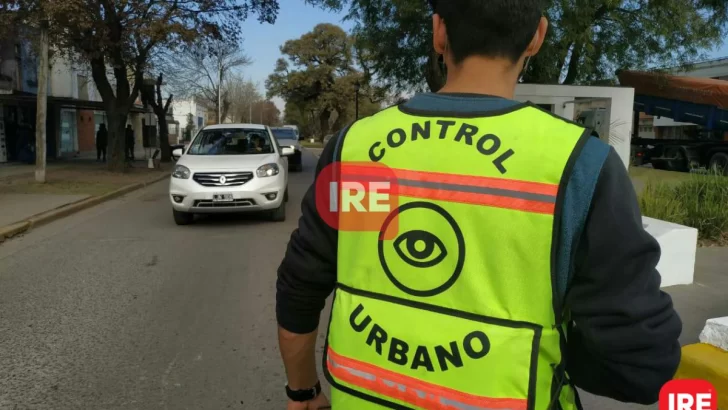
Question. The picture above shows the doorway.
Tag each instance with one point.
(69, 132)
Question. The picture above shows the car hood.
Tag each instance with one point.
(226, 162)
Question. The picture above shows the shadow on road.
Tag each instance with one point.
(241, 219)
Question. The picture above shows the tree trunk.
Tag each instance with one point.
(324, 123)
(165, 148)
(116, 146)
(341, 120)
(573, 71)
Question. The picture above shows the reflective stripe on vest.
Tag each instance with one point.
(497, 192)
(449, 305)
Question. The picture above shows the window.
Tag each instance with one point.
(232, 141)
(288, 134)
(82, 81)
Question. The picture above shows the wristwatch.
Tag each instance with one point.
(305, 394)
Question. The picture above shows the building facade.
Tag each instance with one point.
(74, 112)
(191, 116)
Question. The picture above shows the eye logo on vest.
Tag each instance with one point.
(421, 262)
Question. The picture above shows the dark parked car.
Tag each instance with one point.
(288, 137)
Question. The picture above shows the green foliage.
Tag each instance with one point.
(700, 202)
(587, 41)
(396, 38)
(317, 80)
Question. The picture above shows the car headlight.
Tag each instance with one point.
(181, 172)
(267, 170)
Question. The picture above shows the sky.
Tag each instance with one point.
(262, 41)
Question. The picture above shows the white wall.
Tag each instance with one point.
(64, 82)
(184, 107)
(619, 111)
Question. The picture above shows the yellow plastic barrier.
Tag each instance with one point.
(706, 362)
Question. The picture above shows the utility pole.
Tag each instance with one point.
(250, 112)
(40, 117)
(219, 90)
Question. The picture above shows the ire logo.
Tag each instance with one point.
(688, 395)
(352, 196)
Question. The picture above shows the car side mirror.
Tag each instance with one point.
(178, 152)
(287, 151)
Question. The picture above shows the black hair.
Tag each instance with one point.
(489, 28)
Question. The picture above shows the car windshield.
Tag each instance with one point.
(284, 134)
(233, 141)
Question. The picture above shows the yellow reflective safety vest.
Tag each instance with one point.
(457, 309)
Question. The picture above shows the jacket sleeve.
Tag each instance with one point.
(623, 340)
(307, 275)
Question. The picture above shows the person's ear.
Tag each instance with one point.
(439, 34)
(538, 38)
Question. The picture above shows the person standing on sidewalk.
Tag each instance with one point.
(102, 139)
(517, 270)
(129, 142)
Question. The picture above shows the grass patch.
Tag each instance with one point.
(699, 201)
(80, 179)
(645, 174)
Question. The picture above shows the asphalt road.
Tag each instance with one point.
(119, 308)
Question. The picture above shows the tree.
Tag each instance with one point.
(299, 115)
(243, 94)
(266, 112)
(152, 96)
(318, 75)
(189, 127)
(588, 39)
(117, 39)
(202, 70)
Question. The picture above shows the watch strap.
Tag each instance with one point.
(305, 394)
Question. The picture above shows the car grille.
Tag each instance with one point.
(230, 178)
(237, 203)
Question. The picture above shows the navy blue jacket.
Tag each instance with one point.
(624, 344)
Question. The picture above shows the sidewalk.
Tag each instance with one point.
(71, 185)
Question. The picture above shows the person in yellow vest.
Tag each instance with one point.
(513, 267)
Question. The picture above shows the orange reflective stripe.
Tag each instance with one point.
(496, 192)
(477, 199)
(410, 390)
(455, 179)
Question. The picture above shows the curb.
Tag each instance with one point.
(7, 232)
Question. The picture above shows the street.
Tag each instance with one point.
(118, 308)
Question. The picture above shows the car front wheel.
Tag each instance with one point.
(182, 218)
(279, 214)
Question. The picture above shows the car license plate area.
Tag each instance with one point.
(222, 197)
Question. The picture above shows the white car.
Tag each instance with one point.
(230, 168)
